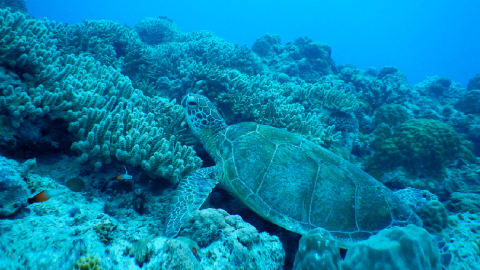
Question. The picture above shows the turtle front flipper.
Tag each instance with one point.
(189, 196)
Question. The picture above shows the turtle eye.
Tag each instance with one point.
(191, 103)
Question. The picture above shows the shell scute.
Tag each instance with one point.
(368, 198)
(240, 188)
(279, 136)
(253, 155)
(258, 205)
(333, 203)
(233, 132)
(291, 174)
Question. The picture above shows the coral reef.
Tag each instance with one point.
(267, 45)
(469, 103)
(434, 217)
(106, 95)
(106, 114)
(464, 202)
(142, 251)
(105, 230)
(303, 58)
(13, 189)
(178, 255)
(391, 114)
(466, 179)
(318, 250)
(419, 146)
(216, 233)
(464, 240)
(154, 31)
(396, 248)
(88, 262)
(474, 83)
(14, 5)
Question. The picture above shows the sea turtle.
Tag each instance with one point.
(284, 178)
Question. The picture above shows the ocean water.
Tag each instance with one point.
(422, 38)
(239, 135)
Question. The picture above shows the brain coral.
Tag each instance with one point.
(420, 146)
(396, 248)
(434, 217)
(317, 250)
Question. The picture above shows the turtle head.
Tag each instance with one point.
(202, 116)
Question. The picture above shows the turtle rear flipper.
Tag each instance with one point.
(189, 196)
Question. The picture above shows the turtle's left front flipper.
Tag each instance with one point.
(189, 196)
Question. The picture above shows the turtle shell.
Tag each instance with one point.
(300, 186)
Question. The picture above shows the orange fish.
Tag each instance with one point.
(122, 177)
(46, 195)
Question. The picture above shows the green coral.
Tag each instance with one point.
(88, 262)
(419, 146)
(105, 230)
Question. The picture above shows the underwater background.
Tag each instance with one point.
(93, 138)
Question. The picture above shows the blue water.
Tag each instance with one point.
(421, 37)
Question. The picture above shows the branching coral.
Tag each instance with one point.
(267, 102)
(82, 83)
(108, 116)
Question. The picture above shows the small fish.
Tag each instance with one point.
(123, 177)
(46, 195)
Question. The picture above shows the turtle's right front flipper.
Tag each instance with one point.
(189, 196)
